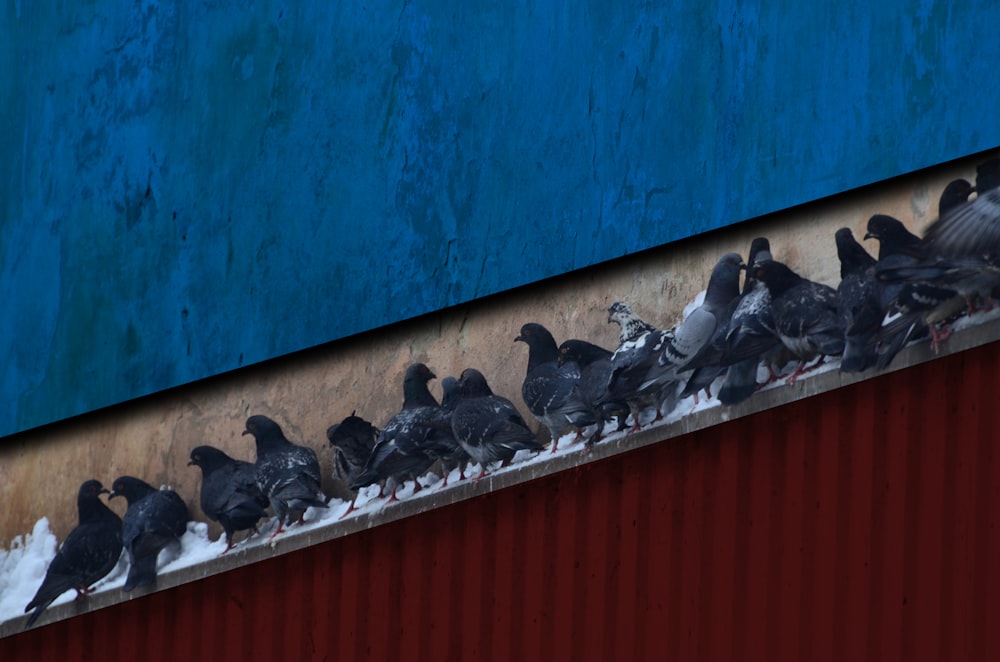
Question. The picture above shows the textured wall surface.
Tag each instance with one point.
(194, 187)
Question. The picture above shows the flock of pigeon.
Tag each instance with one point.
(914, 289)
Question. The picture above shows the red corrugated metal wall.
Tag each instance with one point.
(861, 523)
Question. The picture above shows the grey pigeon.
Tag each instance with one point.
(488, 426)
(352, 441)
(413, 439)
(696, 331)
(637, 376)
(594, 362)
(89, 553)
(750, 337)
(229, 491)
(154, 520)
(857, 303)
(286, 473)
(551, 391)
(805, 315)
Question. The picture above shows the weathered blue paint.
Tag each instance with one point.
(192, 187)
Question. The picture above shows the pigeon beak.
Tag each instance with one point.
(869, 235)
(190, 462)
(521, 338)
(105, 490)
(245, 432)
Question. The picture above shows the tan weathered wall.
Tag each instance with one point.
(41, 470)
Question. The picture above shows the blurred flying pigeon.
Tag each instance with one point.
(637, 376)
(857, 303)
(550, 391)
(956, 267)
(413, 439)
(352, 441)
(154, 519)
(594, 362)
(229, 492)
(90, 551)
(805, 315)
(287, 474)
(696, 331)
(488, 426)
(750, 337)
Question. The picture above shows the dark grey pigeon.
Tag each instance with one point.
(352, 441)
(696, 331)
(955, 194)
(458, 458)
(805, 315)
(594, 362)
(488, 426)
(988, 175)
(550, 391)
(89, 553)
(637, 376)
(750, 337)
(970, 231)
(857, 303)
(229, 492)
(287, 474)
(413, 439)
(154, 520)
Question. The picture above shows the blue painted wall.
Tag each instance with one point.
(192, 187)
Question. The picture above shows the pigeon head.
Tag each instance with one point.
(776, 276)
(632, 327)
(472, 384)
(449, 392)
(541, 345)
(987, 175)
(415, 391)
(853, 256)
(892, 235)
(954, 195)
(90, 489)
(760, 251)
(131, 488)
(724, 283)
(208, 458)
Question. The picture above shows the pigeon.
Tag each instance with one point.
(89, 553)
(969, 231)
(955, 194)
(154, 519)
(287, 474)
(893, 237)
(352, 441)
(229, 492)
(458, 458)
(637, 376)
(488, 426)
(594, 362)
(413, 439)
(698, 328)
(805, 315)
(551, 392)
(750, 337)
(987, 175)
(857, 303)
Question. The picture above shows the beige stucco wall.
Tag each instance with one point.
(41, 470)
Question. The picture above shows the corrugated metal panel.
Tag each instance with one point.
(860, 523)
